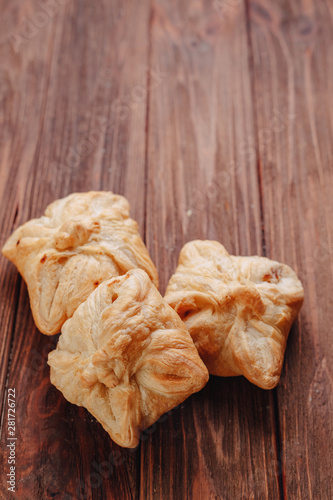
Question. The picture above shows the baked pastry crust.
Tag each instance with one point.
(63, 256)
(238, 310)
(126, 356)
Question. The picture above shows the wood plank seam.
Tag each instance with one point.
(146, 180)
(148, 83)
(273, 397)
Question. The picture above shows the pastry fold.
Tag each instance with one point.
(63, 256)
(238, 310)
(126, 356)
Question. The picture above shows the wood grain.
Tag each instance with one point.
(293, 74)
(215, 120)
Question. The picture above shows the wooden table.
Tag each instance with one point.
(215, 120)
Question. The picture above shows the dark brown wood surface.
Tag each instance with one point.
(215, 120)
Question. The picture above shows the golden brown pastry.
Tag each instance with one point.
(126, 356)
(81, 240)
(238, 310)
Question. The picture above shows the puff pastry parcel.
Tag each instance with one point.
(126, 356)
(81, 240)
(238, 310)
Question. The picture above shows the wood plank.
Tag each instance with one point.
(74, 120)
(293, 75)
(221, 443)
(18, 143)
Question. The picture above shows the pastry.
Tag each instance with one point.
(126, 356)
(63, 256)
(238, 310)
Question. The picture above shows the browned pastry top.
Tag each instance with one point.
(63, 256)
(126, 356)
(238, 310)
